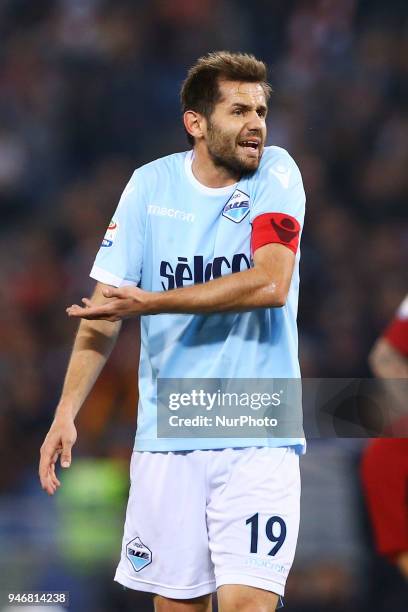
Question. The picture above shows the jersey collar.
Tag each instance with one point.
(212, 191)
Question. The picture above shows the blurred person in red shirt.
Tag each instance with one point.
(385, 461)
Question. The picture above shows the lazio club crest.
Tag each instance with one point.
(237, 207)
(138, 554)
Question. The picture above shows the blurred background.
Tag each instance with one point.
(89, 91)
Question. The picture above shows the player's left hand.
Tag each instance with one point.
(122, 303)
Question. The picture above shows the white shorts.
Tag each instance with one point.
(199, 519)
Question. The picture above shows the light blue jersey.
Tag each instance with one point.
(170, 231)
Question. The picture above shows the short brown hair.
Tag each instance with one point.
(200, 91)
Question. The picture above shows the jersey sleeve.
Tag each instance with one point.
(119, 259)
(278, 207)
(397, 331)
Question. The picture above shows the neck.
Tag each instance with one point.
(207, 172)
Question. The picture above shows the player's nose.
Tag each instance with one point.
(255, 122)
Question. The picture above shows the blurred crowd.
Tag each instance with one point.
(89, 91)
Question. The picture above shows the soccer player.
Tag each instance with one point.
(204, 245)
(385, 461)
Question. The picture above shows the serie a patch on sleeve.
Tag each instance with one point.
(275, 227)
(110, 234)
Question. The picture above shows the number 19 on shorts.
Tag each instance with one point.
(275, 531)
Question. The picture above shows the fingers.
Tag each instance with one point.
(53, 475)
(55, 483)
(111, 292)
(82, 311)
(87, 309)
(74, 310)
(94, 313)
(52, 448)
(123, 302)
(48, 478)
(66, 455)
(87, 312)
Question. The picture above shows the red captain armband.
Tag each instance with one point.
(275, 227)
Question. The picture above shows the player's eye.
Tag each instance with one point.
(237, 111)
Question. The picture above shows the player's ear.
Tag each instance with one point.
(194, 123)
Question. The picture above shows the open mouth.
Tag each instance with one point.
(250, 144)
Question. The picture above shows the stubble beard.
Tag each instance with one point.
(222, 150)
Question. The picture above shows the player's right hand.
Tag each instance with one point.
(58, 442)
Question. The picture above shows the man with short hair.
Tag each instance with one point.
(204, 247)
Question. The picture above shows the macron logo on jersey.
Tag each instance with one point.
(173, 213)
(237, 207)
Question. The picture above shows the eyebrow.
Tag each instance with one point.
(248, 107)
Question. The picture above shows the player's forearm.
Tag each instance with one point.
(92, 347)
(402, 563)
(236, 292)
(387, 362)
